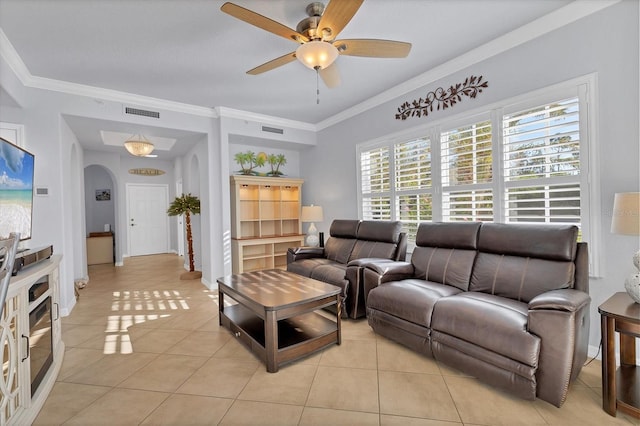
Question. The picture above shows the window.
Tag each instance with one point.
(542, 164)
(467, 173)
(375, 178)
(413, 184)
(521, 161)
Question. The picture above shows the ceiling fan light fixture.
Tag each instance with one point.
(138, 146)
(317, 54)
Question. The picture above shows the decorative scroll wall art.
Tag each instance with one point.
(442, 99)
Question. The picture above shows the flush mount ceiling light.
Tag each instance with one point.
(139, 146)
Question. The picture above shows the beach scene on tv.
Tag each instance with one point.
(16, 190)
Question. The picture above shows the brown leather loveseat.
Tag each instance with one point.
(505, 303)
(351, 243)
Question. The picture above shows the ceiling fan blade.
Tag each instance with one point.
(263, 22)
(274, 63)
(336, 16)
(373, 48)
(330, 76)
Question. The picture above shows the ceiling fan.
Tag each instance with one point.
(316, 35)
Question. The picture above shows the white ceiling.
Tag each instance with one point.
(189, 51)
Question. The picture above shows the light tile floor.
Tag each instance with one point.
(144, 347)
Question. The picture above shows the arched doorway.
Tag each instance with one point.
(100, 214)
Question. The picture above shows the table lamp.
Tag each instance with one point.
(626, 221)
(312, 214)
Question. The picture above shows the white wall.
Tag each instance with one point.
(605, 43)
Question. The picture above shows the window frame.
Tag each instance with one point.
(584, 88)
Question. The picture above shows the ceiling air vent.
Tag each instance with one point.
(272, 130)
(142, 112)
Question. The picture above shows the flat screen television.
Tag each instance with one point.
(16, 190)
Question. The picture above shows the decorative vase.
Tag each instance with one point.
(632, 283)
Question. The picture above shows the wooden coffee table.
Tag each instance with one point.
(275, 314)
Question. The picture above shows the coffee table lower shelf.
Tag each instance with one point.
(298, 336)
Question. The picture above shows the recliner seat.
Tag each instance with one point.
(507, 304)
(350, 243)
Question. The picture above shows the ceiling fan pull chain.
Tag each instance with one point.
(317, 86)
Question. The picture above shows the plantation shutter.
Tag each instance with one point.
(413, 184)
(542, 164)
(375, 184)
(467, 173)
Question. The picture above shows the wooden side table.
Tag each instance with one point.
(621, 386)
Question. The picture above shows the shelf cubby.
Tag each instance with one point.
(265, 221)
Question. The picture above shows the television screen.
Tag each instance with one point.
(16, 190)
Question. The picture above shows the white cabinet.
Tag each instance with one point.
(31, 317)
(265, 221)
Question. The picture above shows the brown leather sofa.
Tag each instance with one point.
(508, 304)
(351, 243)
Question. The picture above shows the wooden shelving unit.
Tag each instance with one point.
(265, 221)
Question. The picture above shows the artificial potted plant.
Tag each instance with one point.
(276, 161)
(187, 205)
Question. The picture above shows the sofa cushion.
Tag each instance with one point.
(377, 239)
(458, 235)
(305, 266)
(332, 273)
(519, 278)
(445, 252)
(373, 249)
(443, 265)
(380, 231)
(552, 242)
(339, 249)
(411, 299)
(491, 322)
(344, 228)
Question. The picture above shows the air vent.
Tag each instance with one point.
(272, 130)
(142, 112)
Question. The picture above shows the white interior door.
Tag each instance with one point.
(148, 222)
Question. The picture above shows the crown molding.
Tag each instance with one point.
(225, 112)
(543, 25)
(10, 55)
(8, 52)
(550, 22)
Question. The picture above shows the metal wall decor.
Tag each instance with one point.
(442, 99)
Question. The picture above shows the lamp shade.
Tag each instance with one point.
(139, 146)
(311, 214)
(317, 54)
(626, 213)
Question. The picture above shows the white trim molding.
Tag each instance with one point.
(545, 24)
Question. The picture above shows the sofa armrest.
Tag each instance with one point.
(561, 319)
(381, 271)
(560, 300)
(389, 270)
(298, 253)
